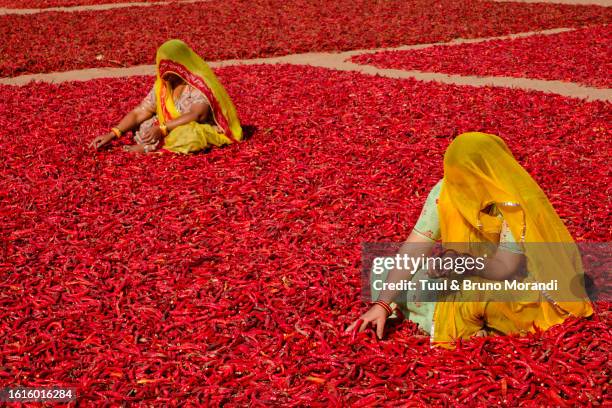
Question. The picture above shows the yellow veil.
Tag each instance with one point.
(174, 56)
(479, 170)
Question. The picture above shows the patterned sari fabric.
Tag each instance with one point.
(175, 57)
(480, 171)
(183, 103)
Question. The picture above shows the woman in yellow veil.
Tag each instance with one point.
(186, 111)
(485, 200)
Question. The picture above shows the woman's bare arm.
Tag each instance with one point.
(129, 122)
(134, 118)
(503, 265)
(198, 112)
(414, 246)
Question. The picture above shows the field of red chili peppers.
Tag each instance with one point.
(56, 41)
(228, 277)
(580, 56)
(21, 4)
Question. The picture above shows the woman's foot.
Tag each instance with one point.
(137, 148)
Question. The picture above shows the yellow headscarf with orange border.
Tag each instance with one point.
(174, 56)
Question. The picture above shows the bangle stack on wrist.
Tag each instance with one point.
(164, 130)
(117, 131)
(385, 306)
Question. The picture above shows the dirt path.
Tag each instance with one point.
(339, 61)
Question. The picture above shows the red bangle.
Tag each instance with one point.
(385, 306)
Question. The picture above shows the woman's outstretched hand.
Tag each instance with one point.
(100, 141)
(376, 316)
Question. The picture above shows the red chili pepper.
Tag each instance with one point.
(227, 277)
(356, 329)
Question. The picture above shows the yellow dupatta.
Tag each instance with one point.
(174, 56)
(479, 170)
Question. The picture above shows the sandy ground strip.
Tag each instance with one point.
(93, 73)
(338, 61)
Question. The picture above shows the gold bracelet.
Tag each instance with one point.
(117, 132)
(164, 130)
